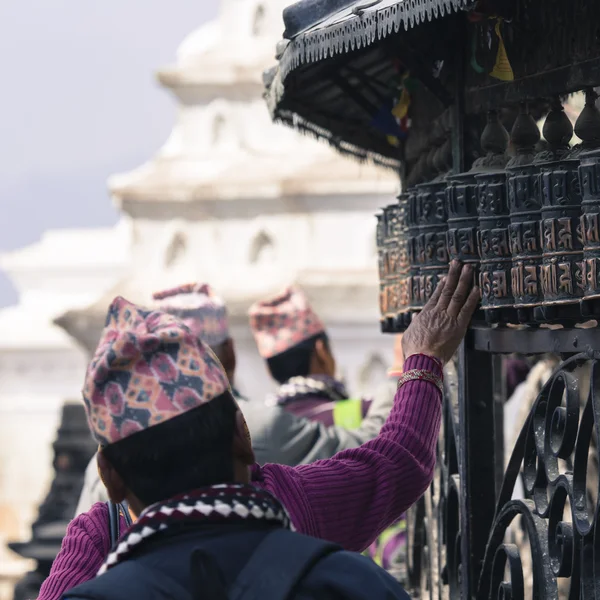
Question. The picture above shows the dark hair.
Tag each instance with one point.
(190, 451)
(295, 362)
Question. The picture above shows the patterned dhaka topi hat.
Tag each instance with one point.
(199, 308)
(282, 322)
(149, 367)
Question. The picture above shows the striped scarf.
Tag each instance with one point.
(321, 386)
(215, 504)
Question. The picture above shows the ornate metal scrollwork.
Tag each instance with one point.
(559, 516)
(434, 533)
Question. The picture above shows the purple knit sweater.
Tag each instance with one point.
(349, 499)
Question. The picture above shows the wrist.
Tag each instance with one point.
(425, 362)
(435, 359)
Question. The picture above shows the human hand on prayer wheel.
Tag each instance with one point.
(440, 327)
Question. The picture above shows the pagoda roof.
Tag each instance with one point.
(307, 90)
(379, 78)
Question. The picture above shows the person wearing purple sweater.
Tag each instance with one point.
(354, 496)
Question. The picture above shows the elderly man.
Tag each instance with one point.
(175, 446)
(348, 499)
(279, 436)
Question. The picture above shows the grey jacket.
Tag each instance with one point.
(280, 437)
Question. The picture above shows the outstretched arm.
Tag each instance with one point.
(351, 498)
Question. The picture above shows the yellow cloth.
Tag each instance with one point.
(502, 69)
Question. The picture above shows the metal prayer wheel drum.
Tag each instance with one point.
(463, 220)
(392, 265)
(403, 314)
(381, 266)
(463, 224)
(589, 176)
(387, 258)
(561, 275)
(413, 218)
(525, 207)
(494, 247)
(431, 240)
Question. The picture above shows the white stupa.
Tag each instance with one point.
(231, 199)
(249, 206)
(41, 367)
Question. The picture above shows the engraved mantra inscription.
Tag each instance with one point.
(524, 237)
(591, 270)
(494, 243)
(433, 247)
(462, 242)
(493, 285)
(524, 280)
(590, 226)
(562, 278)
(558, 235)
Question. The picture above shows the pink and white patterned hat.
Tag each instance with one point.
(149, 367)
(199, 308)
(283, 321)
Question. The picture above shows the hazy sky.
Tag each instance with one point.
(78, 102)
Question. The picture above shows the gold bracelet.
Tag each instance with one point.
(421, 375)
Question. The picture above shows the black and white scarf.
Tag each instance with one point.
(215, 504)
(320, 386)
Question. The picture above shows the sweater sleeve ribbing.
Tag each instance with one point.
(82, 553)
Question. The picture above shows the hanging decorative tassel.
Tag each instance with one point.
(502, 69)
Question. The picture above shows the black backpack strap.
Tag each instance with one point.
(206, 577)
(279, 563)
(114, 521)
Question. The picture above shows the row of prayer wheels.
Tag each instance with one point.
(529, 224)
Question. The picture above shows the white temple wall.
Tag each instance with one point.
(273, 247)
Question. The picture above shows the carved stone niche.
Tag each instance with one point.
(431, 238)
